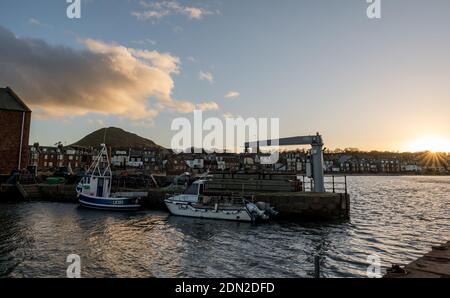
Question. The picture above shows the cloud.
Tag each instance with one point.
(232, 94)
(208, 106)
(35, 22)
(156, 10)
(149, 14)
(194, 12)
(206, 76)
(97, 122)
(229, 115)
(103, 78)
(144, 42)
(192, 59)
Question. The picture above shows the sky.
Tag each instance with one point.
(317, 65)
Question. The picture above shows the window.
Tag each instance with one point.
(192, 190)
(46, 157)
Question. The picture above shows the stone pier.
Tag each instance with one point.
(435, 264)
(296, 206)
(308, 205)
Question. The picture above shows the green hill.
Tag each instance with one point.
(116, 138)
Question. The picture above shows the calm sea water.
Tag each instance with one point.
(397, 218)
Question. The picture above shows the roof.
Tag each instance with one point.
(10, 101)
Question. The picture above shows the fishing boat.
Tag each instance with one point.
(94, 189)
(194, 203)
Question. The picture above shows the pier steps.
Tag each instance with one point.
(29, 192)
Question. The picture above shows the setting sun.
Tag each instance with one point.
(432, 144)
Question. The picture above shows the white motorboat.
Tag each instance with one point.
(193, 203)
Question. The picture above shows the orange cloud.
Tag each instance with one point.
(103, 78)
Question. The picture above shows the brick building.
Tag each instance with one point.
(47, 158)
(15, 120)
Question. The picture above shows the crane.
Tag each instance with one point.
(316, 143)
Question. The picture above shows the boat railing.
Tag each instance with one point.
(332, 183)
(221, 200)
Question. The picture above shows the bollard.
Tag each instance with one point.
(316, 267)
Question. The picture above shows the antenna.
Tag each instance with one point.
(104, 136)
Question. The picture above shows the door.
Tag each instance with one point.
(100, 183)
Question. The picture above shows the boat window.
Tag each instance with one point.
(201, 189)
(192, 190)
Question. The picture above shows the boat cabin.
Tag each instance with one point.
(96, 186)
(197, 188)
(193, 193)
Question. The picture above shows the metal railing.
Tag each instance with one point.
(332, 183)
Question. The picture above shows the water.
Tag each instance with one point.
(397, 218)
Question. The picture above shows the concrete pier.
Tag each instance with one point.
(38, 192)
(435, 264)
(296, 206)
(308, 205)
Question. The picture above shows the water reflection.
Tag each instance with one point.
(398, 218)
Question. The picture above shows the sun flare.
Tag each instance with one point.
(432, 144)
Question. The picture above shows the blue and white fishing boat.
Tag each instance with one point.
(94, 190)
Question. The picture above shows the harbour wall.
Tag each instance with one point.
(295, 206)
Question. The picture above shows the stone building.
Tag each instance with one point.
(15, 120)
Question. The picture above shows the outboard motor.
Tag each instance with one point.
(256, 212)
(267, 208)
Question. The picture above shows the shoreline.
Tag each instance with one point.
(434, 264)
(392, 175)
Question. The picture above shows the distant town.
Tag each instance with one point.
(131, 153)
(162, 161)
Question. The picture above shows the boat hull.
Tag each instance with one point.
(119, 204)
(187, 210)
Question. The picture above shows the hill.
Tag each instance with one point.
(116, 138)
